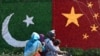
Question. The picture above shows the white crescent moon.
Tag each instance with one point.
(7, 36)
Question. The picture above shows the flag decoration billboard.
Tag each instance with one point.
(76, 22)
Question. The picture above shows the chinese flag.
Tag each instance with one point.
(77, 23)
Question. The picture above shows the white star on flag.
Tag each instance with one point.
(28, 20)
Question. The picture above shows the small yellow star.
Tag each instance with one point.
(72, 17)
(94, 28)
(96, 15)
(90, 4)
(85, 36)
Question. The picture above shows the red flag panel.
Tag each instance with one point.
(77, 23)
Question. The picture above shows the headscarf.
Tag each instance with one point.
(34, 37)
(42, 37)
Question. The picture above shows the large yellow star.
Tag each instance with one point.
(94, 28)
(72, 17)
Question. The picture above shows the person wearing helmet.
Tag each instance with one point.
(51, 49)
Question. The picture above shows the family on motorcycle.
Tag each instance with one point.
(38, 45)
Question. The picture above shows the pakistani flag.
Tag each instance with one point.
(19, 19)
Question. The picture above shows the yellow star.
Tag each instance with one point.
(90, 4)
(85, 36)
(72, 17)
(96, 15)
(94, 28)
